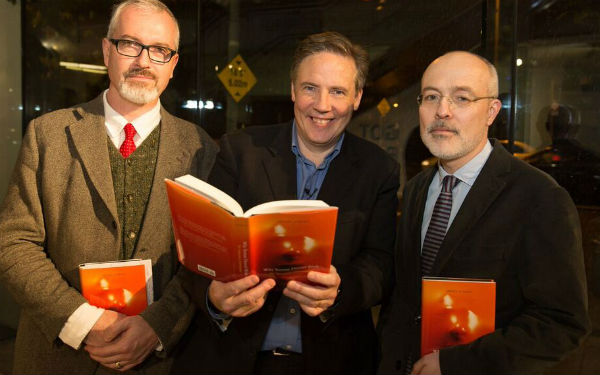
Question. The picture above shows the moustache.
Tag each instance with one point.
(140, 72)
(440, 125)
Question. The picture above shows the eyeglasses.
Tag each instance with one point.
(131, 48)
(455, 101)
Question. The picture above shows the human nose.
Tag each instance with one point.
(444, 107)
(143, 58)
(322, 103)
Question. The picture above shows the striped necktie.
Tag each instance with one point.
(438, 224)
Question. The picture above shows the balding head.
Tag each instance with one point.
(465, 57)
(458, 103)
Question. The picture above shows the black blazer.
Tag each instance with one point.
(256, 166)
(518, 227)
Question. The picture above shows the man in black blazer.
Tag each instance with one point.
(508, 221)
(249, 325)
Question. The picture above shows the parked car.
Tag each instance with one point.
(522, 151)
(573, 167)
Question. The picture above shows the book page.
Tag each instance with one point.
(286, 206)
(213, 194)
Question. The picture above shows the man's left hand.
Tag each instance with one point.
(130, 340)
(314, 299)
(429, 364)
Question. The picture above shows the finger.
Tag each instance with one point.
(327, 279)
(99, 355)
(254, 296)
(418, 367)
(115, 329)
(307, 301)
(236, 287)
(315, 292)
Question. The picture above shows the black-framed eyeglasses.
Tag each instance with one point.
(131, 48)
(455, 100)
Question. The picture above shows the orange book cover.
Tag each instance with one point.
(280, 239)
(455, 311)
(122, 286)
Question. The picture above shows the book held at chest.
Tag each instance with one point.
(455, 311)
(217, 239)
(124, 286)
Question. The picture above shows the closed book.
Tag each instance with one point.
(455, 311)
(280, 239)
(123, 286)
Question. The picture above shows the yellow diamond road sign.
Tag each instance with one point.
(237, 78)
(383, 107)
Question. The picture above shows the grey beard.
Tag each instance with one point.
(138, 94)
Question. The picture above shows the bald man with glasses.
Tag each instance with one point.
(482, 213)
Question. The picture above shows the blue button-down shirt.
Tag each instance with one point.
(284, 330)
(467, 174)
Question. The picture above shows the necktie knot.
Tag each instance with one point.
(448, 183)
(128, 145)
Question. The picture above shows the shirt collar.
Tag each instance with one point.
(328, 158)
(468, 173)
(143, 124)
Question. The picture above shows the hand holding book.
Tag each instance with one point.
(281, 239)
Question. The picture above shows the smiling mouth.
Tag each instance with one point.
(321, 121)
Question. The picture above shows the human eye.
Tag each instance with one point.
(162, 53)
(461, 99)
(309, 88)
(130, 44)
(431, 98)
(338, 92)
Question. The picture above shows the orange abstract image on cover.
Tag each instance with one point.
(122, 289)
(288, 246)
(455, 312)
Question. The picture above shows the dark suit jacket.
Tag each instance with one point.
(60, 211)
(256, 166)
(518, 227)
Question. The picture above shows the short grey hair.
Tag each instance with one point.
(146, 5)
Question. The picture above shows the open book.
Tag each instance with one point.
(124, 286)
(455, 311)
(279, 239)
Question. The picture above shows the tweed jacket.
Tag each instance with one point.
(60, 211)
(518, 227)
(256, 166)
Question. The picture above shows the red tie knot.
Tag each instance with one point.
(128, 145)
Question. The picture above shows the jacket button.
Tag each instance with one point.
(131, 235)
(418, 319)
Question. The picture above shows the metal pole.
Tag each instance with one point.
(512, 124)
(233, 48)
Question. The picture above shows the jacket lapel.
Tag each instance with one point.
(341, 174)
(413, 260)
(278, 165)
(89, 138)
(171, 162)
(483, 193)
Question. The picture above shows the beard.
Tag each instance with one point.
(137, 92)
(449, 147)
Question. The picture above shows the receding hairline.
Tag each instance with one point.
(493, 73)
(155, 6)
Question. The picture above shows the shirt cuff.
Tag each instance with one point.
(79, 324)
(221, 320)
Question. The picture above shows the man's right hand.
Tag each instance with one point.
(240, 297)
(96, 335)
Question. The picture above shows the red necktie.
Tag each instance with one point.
(128, 146)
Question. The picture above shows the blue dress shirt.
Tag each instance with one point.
(284, 329)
